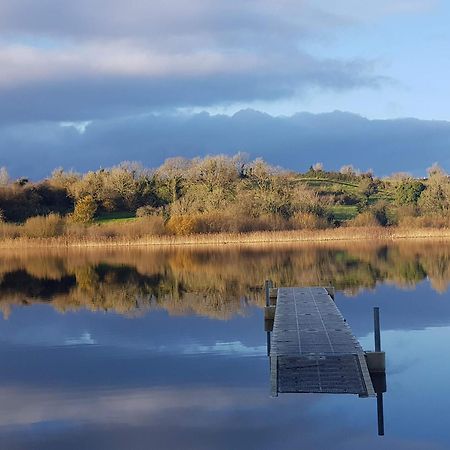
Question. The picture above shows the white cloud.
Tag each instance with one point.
(226, 348)
(84, 339)
(25, 406)
(72, 61)
(81, 127)
(25, 64)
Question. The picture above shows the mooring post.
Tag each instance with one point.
(380, 414)
(377, 367)
(376, 325)
(269, 313)
(267, 287)
(376, 360)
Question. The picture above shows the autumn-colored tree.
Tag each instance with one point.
(435, 199)
(85, 209)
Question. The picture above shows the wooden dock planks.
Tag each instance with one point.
(313, 348)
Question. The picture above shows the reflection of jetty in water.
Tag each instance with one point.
(312, 349)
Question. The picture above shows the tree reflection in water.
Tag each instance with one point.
(213, 282)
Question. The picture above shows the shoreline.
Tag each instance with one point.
(347, 234)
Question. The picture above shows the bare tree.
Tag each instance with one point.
(318, 167)
(4, 177)
(349, 170)
(172, 175)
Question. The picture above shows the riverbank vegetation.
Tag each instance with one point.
(216, 195)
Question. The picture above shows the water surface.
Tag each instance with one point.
(166, 349)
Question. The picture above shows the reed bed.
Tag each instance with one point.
(218, 239)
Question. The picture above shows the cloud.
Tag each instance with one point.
(293, 142)
(77, 61)
(220, 417)
(112, 63)
(107, 79)
(84, 339)
(197, 20)
(172, 21)
(79, 126)
(132, 406)
(23, 64)
(368, 11)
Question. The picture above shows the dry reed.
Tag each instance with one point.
(105, 239)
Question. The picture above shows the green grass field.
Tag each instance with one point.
(340, 213)
(344, 212)
(326, 181)
(115, 217)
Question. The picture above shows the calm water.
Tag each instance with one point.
(167, 350)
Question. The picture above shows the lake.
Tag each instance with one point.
(166, 349)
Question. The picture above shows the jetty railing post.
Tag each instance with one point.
(376, 325)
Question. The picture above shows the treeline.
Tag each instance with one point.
(218, 194)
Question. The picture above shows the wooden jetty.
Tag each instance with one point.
(311, 347)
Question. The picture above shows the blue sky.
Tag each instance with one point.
(96, 61)
(410, 48)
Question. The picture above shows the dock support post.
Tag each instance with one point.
(376, 360)
(269, 313)
(377, 367)
(376, 324)
(274, 376)
(268, 285)
(380, 414)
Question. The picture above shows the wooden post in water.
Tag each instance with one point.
(269, 310)
(376, 326)
(377, 366)
(380, 414)
(376, 360)
(269, 313)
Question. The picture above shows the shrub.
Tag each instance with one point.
(346, 198)
(85, 209)
(435, 199)
(408, 192)
(145, 226)
(147, 210)
(308, 221)
(378, 214)
(425, 222)
(213, 222)
(102, 231)
(368, 187)
(44, 226)
(365, 219)
(183, 225)
(9, 231)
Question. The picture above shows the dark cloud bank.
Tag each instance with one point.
(293, 142)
